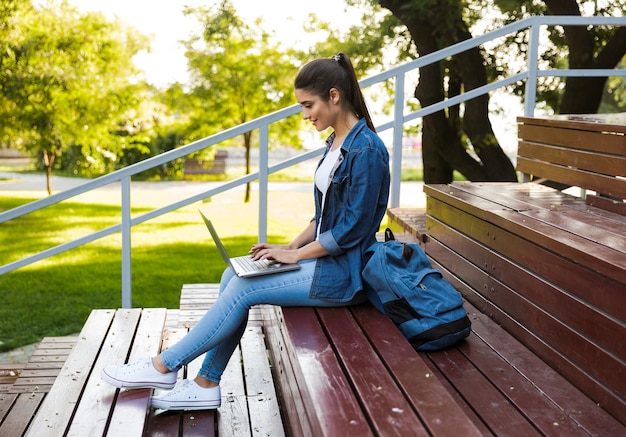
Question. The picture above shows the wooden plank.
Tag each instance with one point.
(58, 407)
(595, 162)
(600, 393)
(98, 399)
(596, 257)
(520, 391)
(573, 138)
(44, 365)
(604, 184)
(165, 423)
(326, 393)
(234, 418)
(265, 418)
(556, 209)
(569, 399)
(131, 405)
(23, 410)
(199, 423)
(9, 373)
(587, 284)
(387, 409)
(7, 400)
(498, 413)
(575, 329)
(294, 412)
(606, 203)
(437, 408)
(598, 326)
(606, 123)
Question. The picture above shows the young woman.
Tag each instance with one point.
(351, 193)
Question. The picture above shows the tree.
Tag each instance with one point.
(449, 137)
(237, 74)
(66, 81)
(572, 47)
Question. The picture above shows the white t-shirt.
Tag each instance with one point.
(322, 176)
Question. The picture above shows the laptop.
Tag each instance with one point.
(245, 266)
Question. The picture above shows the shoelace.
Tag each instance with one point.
(138, 365)
(181, 387)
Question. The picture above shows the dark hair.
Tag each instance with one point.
(320, 75)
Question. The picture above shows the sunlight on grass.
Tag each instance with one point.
(54, 296)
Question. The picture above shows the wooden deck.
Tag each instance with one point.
(59, 391)
(24, 386)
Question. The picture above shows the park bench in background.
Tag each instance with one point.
(215, 166)
(547, 266)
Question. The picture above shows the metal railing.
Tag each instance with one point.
(399, 119)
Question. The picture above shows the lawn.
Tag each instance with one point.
(53, 297)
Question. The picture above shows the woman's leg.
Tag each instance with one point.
(223, 321)
(216, 359)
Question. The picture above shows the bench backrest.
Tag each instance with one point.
(586, 151)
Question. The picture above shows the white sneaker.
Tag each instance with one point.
(140, 374)
(189, 396)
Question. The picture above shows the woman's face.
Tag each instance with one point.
(321, 113)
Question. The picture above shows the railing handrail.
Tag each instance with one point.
(397, 73)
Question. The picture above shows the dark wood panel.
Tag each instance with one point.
(614, 165)
(498, 413)
(565, 396)
(387, 409)
(577, 249)
(573, 138)
(325, 390)
(462, 268)
(598, 325)
(295, 415)
(438, 409)
(609, 123)
(600, 183)
(554, 208)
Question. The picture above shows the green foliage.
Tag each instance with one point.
(237, 74)
(66, 80)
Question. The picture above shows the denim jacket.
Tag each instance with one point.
(356, 202)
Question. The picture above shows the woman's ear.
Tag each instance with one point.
(335, 96)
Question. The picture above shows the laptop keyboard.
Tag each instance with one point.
(252, 266)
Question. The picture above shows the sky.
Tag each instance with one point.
(165, 22)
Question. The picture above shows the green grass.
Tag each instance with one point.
(53, 297)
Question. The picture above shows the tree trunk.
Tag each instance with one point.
(48, 161)
(442, 137)
(583, 95)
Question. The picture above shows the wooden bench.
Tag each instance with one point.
(215, 166)
(79, 403)
(547, 266)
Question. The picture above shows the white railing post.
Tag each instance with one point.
(126, 256)
(263, 183)
(533, 67)
(398, 121)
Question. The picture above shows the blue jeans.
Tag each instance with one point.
(220, 329)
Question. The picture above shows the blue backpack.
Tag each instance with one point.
(401, 283)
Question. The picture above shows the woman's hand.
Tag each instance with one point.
(279, 253)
